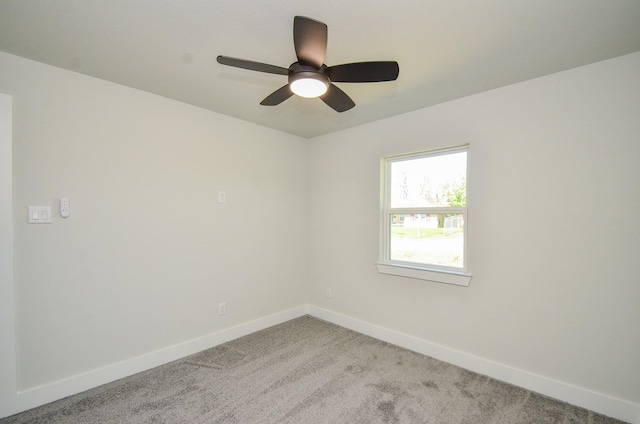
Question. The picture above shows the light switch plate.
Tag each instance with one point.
(39, 215)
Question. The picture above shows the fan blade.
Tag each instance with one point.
(364, 72)
(278, 96)
(252, 66)
(310, 41)
(337, 99)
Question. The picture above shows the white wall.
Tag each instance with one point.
(8, 388)
(554, 233)
(148, 252)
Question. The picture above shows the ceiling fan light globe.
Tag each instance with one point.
(309, 86)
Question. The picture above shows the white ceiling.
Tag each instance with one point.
(446, 49)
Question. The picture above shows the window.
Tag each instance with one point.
(424, 213)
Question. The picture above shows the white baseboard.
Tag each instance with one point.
(597, 402)
(601, 403)
(41, 395)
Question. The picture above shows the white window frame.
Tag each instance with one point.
(437, 273)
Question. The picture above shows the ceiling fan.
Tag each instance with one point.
(309, 76)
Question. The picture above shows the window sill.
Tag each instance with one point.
(457, 278)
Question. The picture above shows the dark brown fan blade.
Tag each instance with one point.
(310, 41)
(364, 72)
(278, 96)
(337, 99)
(252, 66)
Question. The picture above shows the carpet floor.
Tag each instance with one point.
(308, 371)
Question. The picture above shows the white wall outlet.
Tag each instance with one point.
(222, 197)
(328, 292)
(222, 308)
(39, 215)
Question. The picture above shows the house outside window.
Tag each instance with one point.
(424, 214)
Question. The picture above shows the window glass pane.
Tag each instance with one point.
(434, 181)
(430, 239)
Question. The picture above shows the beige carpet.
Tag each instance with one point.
(308, 371)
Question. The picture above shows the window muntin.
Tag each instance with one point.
(425, 209)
